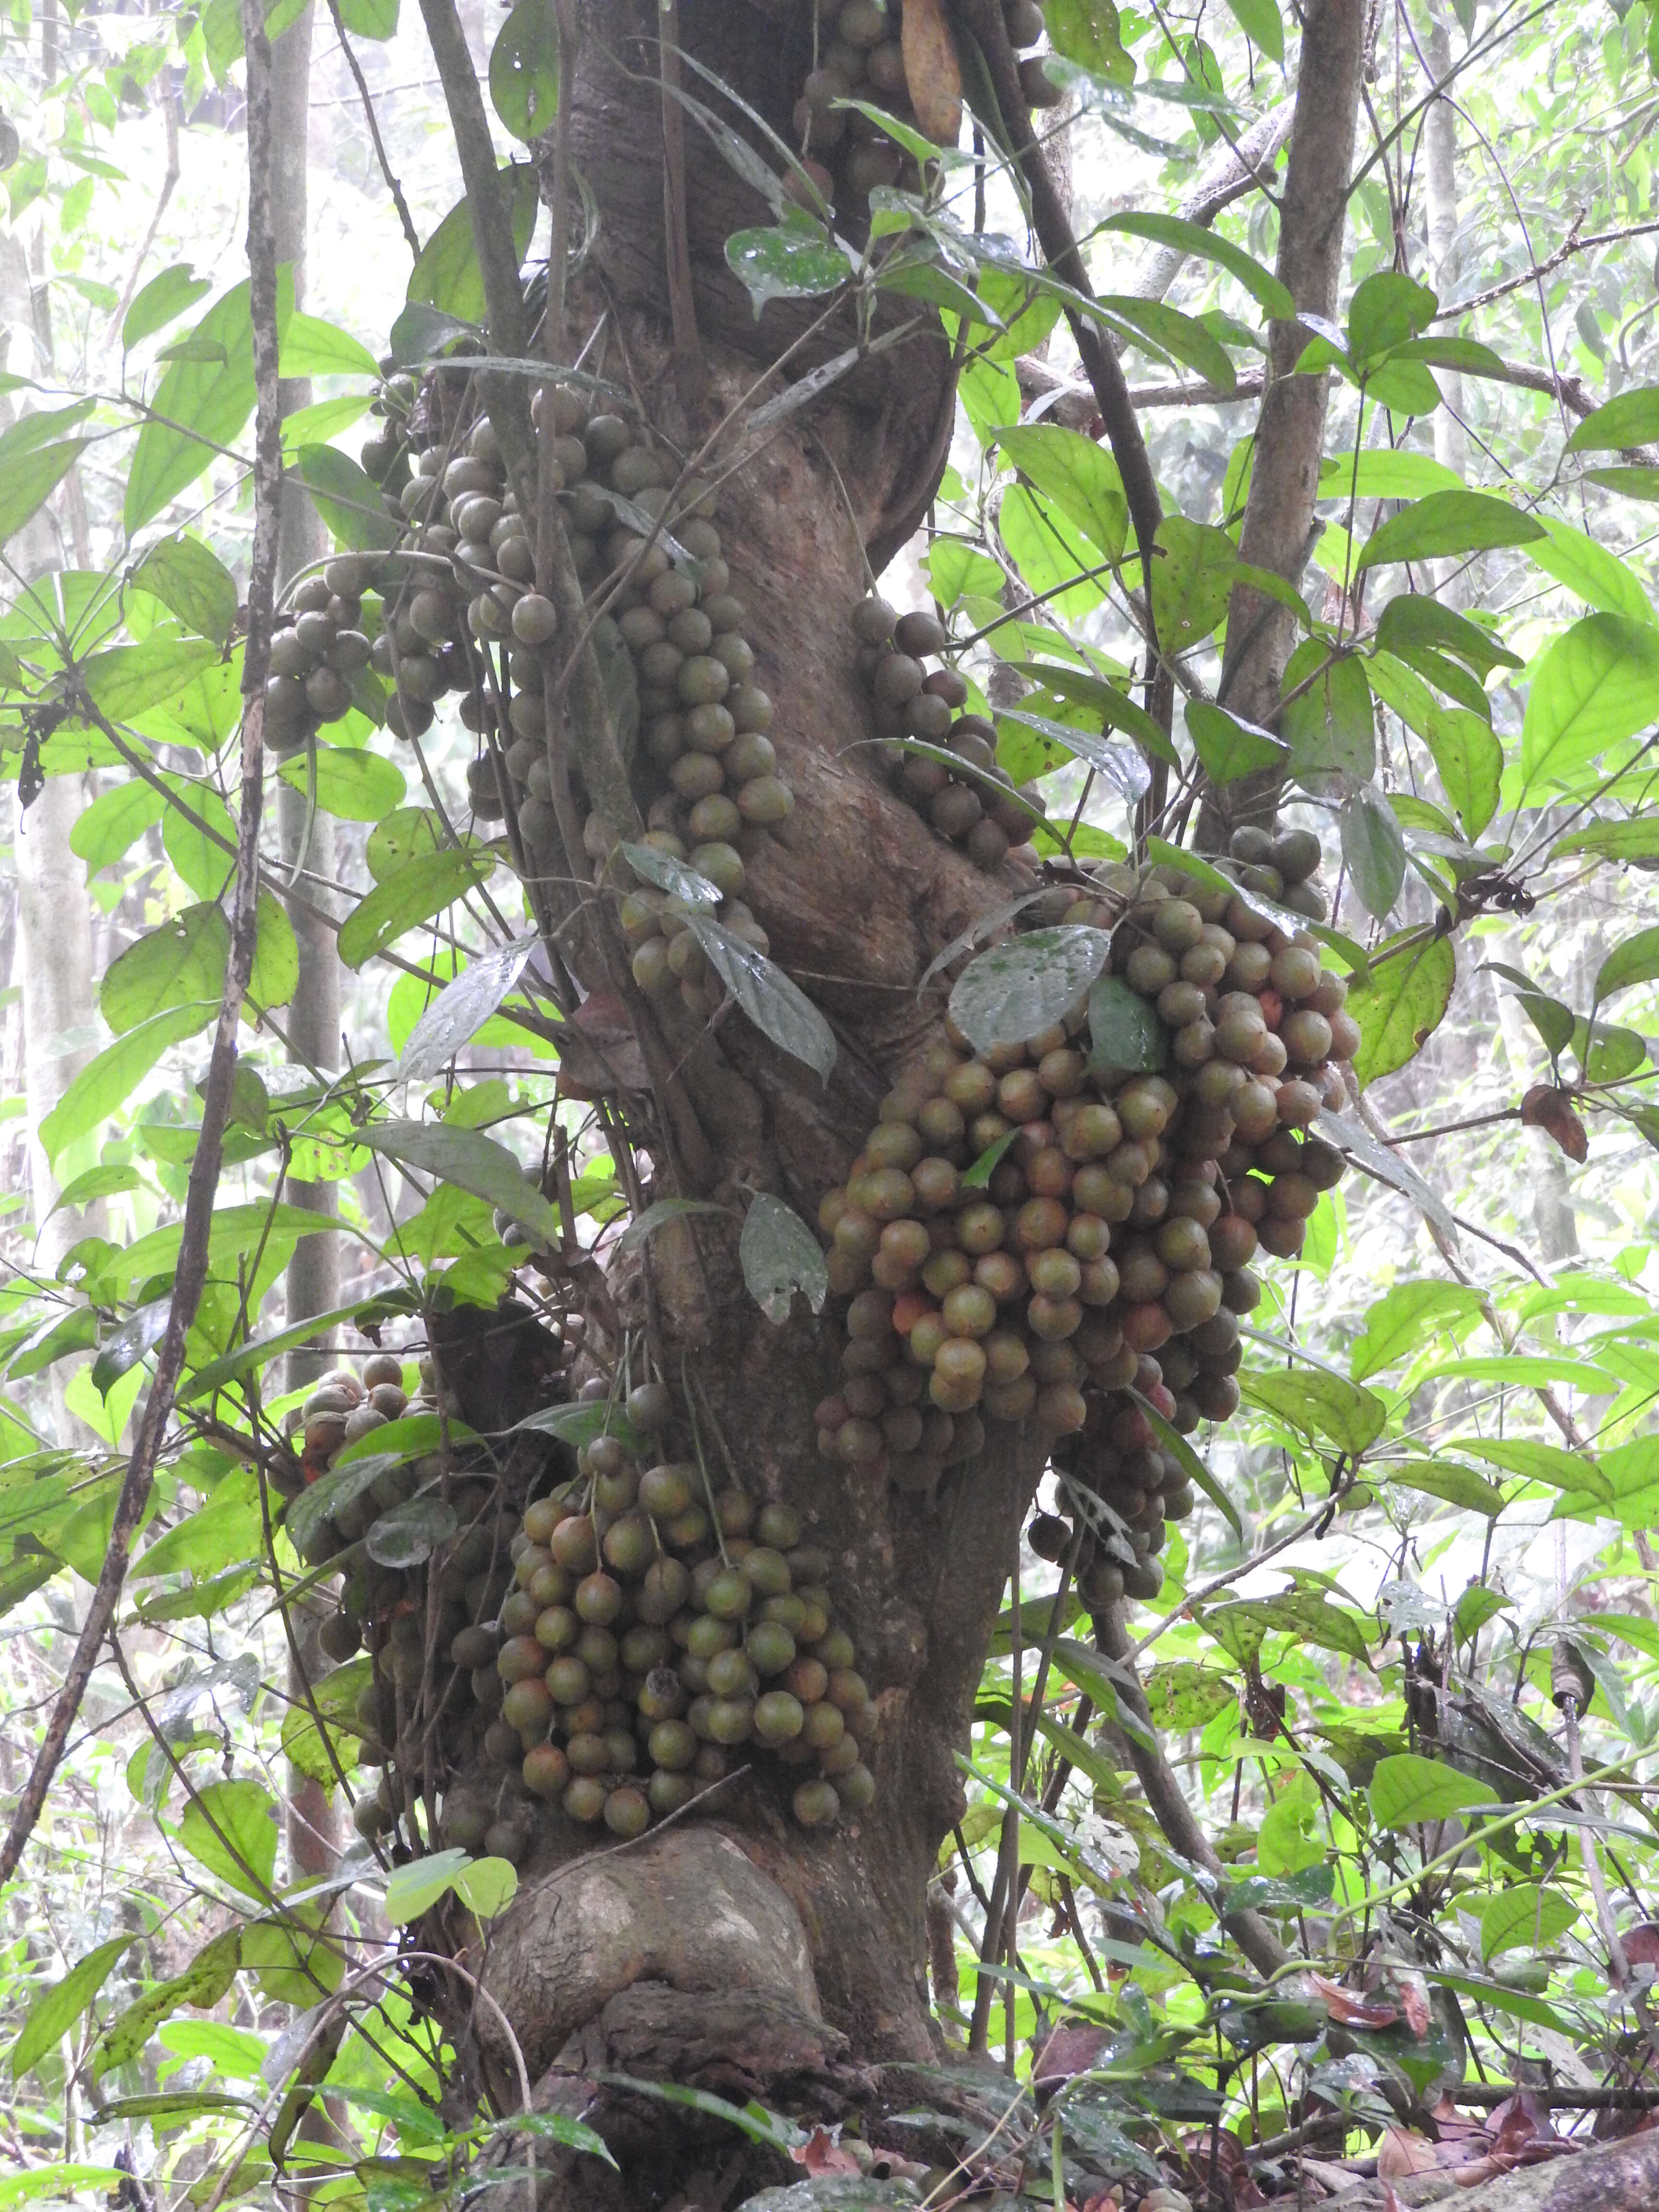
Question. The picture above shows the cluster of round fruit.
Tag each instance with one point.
(966, 796)
(651, 1643)
(1033, 1231)
(860, 55)
(650, 557)
(1280, 868)
(318, 655)
(343, 1406)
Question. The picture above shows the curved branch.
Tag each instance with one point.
(1164, 1795)
(1059, 243)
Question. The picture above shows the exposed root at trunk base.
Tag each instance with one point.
(686, 1910)
(1616, 2177)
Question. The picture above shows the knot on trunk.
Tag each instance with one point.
(686, 1912)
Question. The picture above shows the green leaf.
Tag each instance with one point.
(28, 479)
(414, 1889)
(1401, 1006)
(127, 1345)
(1458, 1486)
(191, 581)
(1635, 841)
(780, 1255)
(203, 863)
(335, 1698)
(423, 886)
(1635, 961)
(782, 262)
(675, 877)
(1448, 523)
(64, 2181)
(488, 1886)
(447, 275)
(1117, 711)
(1594, 686)
(1407, 1788)
(130, 678)
(199, 405)
(1013, 990)
(347, 498)
(230, 1828)
(1052, 556)
(228, 1531)
(1329, 725)
(1260, 21)
(1191, 1465)
(220, 1373)
(312, 347)
(407, 1536)
(1403, 1320)
(1167, 331)
(1288, 1840)
(1384, 472)
(113, 822)
(1320, 1404)
(461, 1008)
(1387, 309)
(1470, 755)
(1240, 1625)
(161, 301)
(1191, 582)
(275, 975)
(1410, 622)
(1194, 238)
(778, 1007)
(1125, 1032)
(1228, 748)
(95, 1183)
(407, 835)
(107, 1081)
(472, 1161)
(1632, 419)
(1597, 576)
(523, 69)
(1078, 474)
(369, 19)
(352, 786)
(1373, 850)
(55, 2010)
(1088, 32)
(182, 962)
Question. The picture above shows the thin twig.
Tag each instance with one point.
(380, 155)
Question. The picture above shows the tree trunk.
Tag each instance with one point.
(1290, 432)
(54, 915)
(810, 1940)
(732, 1950)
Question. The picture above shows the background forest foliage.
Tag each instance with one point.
(1446, 1458)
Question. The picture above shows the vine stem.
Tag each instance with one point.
(191, 1273)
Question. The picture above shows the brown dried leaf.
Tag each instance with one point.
(1401, 2153)
(1551, 1110)
(1414, 2003)
(1349, 2010)
(822, 2154)
(931, 71)
(1642, 1943)
(1066, 2051)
